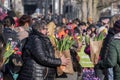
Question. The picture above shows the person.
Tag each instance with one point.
(2, 43)
(51, 32)
(111, 32)
(23, 29)
(89, 21)
(12, 14)
(2, 13)
(2, 50)
(8, 31)
(15, 63)
(112, 54)
(82, 27)
(38, 56)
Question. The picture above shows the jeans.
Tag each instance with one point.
(110, 74)
(99, 74)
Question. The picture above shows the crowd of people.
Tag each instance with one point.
(35, 39)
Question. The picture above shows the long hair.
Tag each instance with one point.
(114, 19)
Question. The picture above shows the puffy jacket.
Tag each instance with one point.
(38, 58)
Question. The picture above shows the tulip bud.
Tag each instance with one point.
(19, 52)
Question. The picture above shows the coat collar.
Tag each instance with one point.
(35, 32)
(117, 36)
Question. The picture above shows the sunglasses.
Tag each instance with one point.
(45, 28)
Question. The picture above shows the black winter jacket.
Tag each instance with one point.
(9, 33)
(38, 58)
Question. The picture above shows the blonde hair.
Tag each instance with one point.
(51, 28)
(113, 19)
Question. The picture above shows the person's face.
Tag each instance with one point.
(26, 26)
(63, 20)
(12, 26)
(105, 21)
(93, 29)
(88, 32)
(33, 21)
(83, 27)
(44, 30)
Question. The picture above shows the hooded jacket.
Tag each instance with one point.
(113, 57)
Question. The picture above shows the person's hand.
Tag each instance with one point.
(64, 60)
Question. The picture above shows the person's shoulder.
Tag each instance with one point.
(19, 29)
(33, 37)
(115, 39)
(117, 36)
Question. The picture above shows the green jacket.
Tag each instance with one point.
(113, 57)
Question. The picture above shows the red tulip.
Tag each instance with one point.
(19, 52)
(15, 48)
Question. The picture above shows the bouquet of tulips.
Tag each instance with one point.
(9, 50)
(62, 48)
(99, 37)
(12, 56)
(95, 47)
(80, 38)
(79, 42)
(64, 43)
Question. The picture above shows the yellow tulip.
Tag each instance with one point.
(8, 47)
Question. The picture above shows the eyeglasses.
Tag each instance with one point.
(45, 28)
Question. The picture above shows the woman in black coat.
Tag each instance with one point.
(38, 56)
